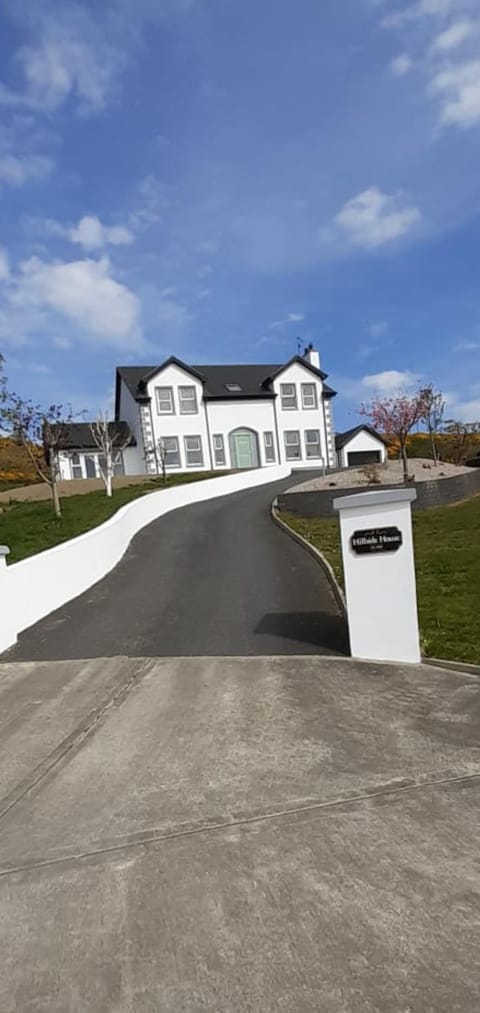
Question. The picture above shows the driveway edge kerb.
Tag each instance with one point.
(456, 666)
(315, 553)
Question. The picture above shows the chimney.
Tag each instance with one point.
(312, 356)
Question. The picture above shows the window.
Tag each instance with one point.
(169, 446)
(188, 400)
(309, 395)
(219, 449)
(118, 468)
(165, 405)
(312, 443)
(76, 466)
(233, 388)
(288, 395)
(292, 445)
(90, 466)
(193, 451)
(269, 448)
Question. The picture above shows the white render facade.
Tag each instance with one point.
(227, 417)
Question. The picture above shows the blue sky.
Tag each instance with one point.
(215, 178)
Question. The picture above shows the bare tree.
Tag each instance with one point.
(111, 443)
(39, 429)
(460, 438)
(161, 458)
(433, 409)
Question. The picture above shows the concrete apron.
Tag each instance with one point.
(238, 834)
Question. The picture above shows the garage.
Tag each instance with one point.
(360, 446)
(357, 457)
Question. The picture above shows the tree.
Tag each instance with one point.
(38, 429)
(161, 456)
(433, 409)
(460, 438)
(395, 416)
(111, 443)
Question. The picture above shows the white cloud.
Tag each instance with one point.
(377, 328)
(92, 235)
(4, 265)
(291, 318)
(82, 292)
(401, 65)
(17, 170)
(465, 411)
(63, 344)
(204, 271)
(458, 88)
(389, 381)
(89, 232)
(69, 58)
(453, 36)
(374, 218)
(419, 10)
(466, 346)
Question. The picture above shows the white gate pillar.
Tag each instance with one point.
(378, 561)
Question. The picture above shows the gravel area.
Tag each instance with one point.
(391, 473)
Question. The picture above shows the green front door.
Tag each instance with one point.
(244, 450)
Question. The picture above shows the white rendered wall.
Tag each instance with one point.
(301, 419)
(361, 442)
(225, 416)
(180, 425)
(380, 587)
(33, 588)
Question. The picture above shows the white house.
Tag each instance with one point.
(218, 418)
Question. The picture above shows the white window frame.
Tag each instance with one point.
(309, 392)
(269, 446)
(288, 397)
(193, 450)
(291, 445)
(188, 404)
(169, 398)
(76, 464)
(312, 443)
(219, 455)
(176, 451)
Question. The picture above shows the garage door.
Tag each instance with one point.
(357, 457)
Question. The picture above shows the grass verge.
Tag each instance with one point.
(447, 563)
(31, 526)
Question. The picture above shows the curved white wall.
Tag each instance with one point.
(36, 586)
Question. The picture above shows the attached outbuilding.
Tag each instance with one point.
(359, 446)
(81, 458)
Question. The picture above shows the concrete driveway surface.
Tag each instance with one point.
(238, 834)
(215, 578)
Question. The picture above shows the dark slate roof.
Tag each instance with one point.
(254, 379)
(342, 438)
(79, 436)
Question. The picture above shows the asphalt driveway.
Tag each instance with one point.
(215, 578)
(231, 834)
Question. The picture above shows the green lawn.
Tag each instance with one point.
(447, 560)
(30, 527)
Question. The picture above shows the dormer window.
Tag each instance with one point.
(233, 388)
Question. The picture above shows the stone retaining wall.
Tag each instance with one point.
(440, 492)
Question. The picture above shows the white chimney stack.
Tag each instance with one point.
(312, 356)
